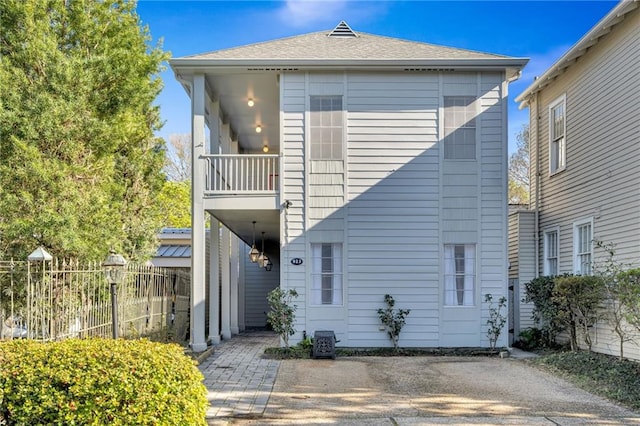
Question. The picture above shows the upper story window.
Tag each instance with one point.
(551, 241)
(557, 135)
(326, 274)
(326, 127)
(459, 274)
(459, 128)
(583, 246)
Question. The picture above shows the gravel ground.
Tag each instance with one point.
(430, 390)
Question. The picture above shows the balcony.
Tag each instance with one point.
(241, 188)
(229, 174)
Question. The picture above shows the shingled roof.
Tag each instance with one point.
(342, 43)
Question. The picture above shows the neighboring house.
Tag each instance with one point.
(585, 155)
(174, 250)
(372, 165)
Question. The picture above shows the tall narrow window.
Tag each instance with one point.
(551, 252)
(326, 127)
(459, 127)
(583, 247)
(459, 274)
(557, 136)
(326, 272)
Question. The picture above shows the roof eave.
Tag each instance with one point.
(589, 39)
(190, 65)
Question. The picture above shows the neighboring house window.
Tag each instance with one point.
(326, 127)
(459, 274)
(551, 252)
(326, 272)
(583, 247)
(557, 136)
(459, 128)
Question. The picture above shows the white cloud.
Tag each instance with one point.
(300, 13)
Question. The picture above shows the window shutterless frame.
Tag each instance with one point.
(558, 135)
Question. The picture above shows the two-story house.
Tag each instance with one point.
(584, 151)
(368, 165)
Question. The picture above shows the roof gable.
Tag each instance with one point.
(342, 43)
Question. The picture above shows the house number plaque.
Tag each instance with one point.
(296, 261)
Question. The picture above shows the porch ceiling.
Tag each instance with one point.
(234, 90)
(240, 223)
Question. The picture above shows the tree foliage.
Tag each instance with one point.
(175, 200)
(79, 164)
(519, 169)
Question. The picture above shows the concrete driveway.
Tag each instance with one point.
(430, 390)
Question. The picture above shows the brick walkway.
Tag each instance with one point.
(238, 379)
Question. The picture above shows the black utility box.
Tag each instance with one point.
(324, 344)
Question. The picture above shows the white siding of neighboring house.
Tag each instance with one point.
(601, 180)
(522, 264)
(401, 204)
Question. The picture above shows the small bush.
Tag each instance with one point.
(99, 382)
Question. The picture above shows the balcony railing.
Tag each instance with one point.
(241, 174)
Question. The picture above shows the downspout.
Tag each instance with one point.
(536, 212)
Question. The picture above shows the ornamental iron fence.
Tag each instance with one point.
(61, 299)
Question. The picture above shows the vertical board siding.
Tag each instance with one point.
(601, 179)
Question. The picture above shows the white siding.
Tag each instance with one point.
(601, 179)
(393, 217)
(522, 264)
(257, 283)
(293, 240)
(393, 203)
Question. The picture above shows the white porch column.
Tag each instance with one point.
(197, 340)
(241, 277)
(225, 307)
(234, 273)
(214, 282)
(214, 235)
(233, 276)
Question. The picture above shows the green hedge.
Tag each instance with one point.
(99, 382)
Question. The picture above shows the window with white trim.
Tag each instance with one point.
(326, 127)
(551, 242)
(459, 274)
(557, 135)
(583, 246)
(326, 274)
(459, 128)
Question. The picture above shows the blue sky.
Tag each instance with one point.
(539, 30)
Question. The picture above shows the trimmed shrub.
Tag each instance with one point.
(99, 382)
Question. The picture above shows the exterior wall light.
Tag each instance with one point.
(250, 103)
(265, 148)
(258, 128)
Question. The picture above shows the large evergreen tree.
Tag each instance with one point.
(79, 164)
